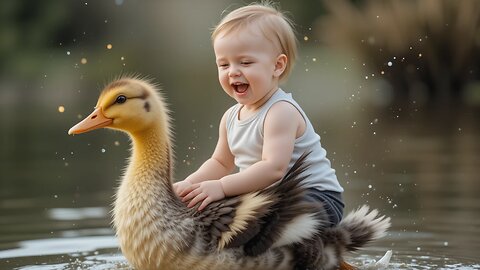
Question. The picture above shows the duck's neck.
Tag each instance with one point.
(146, 207)
(151, 154)
(151, 165)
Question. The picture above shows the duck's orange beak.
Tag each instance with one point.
(95, 120)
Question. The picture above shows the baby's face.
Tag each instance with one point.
(248, 66)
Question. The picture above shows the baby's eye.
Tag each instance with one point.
(223, 65)
(246, 63)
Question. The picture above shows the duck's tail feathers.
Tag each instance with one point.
(357, 229)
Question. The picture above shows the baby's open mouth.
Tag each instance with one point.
(240, 87)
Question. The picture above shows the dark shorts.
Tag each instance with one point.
(332, 202)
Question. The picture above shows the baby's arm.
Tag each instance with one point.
(220, 164)
(283, 124)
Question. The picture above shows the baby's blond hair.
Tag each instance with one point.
(274, 24)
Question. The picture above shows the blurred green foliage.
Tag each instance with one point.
(427, 51)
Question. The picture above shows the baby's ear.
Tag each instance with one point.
(280, 65)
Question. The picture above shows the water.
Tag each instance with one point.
(420, 171)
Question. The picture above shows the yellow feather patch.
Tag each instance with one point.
(246, 211)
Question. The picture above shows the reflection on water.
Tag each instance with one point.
(99, 260)
(77, 213)
(420, 167)
(43, 247)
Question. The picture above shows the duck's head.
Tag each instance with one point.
(128, 104)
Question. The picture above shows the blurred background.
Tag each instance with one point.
(392, 87)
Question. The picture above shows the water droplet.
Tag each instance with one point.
(419, 248)
(83, 61)
(445, 244)
(103, 150)
(369, 186)
(305, 38)
(390, 64)
(109, 46)
(61, 109)
(117, 143)
(68, 52)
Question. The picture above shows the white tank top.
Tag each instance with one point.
(245, 139)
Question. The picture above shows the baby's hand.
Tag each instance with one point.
(205, 192)
(181, 187)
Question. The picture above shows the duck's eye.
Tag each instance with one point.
(121, 99)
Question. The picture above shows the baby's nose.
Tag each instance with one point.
(234, 71)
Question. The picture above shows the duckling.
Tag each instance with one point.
(276, 228)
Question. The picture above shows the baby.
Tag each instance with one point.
(266, 131)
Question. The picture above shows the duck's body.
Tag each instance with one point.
(156, 230)
(271, 229)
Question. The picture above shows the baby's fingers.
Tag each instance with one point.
(187, 190)
(176, 188)
(190, 193)
(205, 203)
(200, 197)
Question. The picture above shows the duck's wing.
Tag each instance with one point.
(292, 218)
(233, 220)
(261, 219)
(215, 219)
